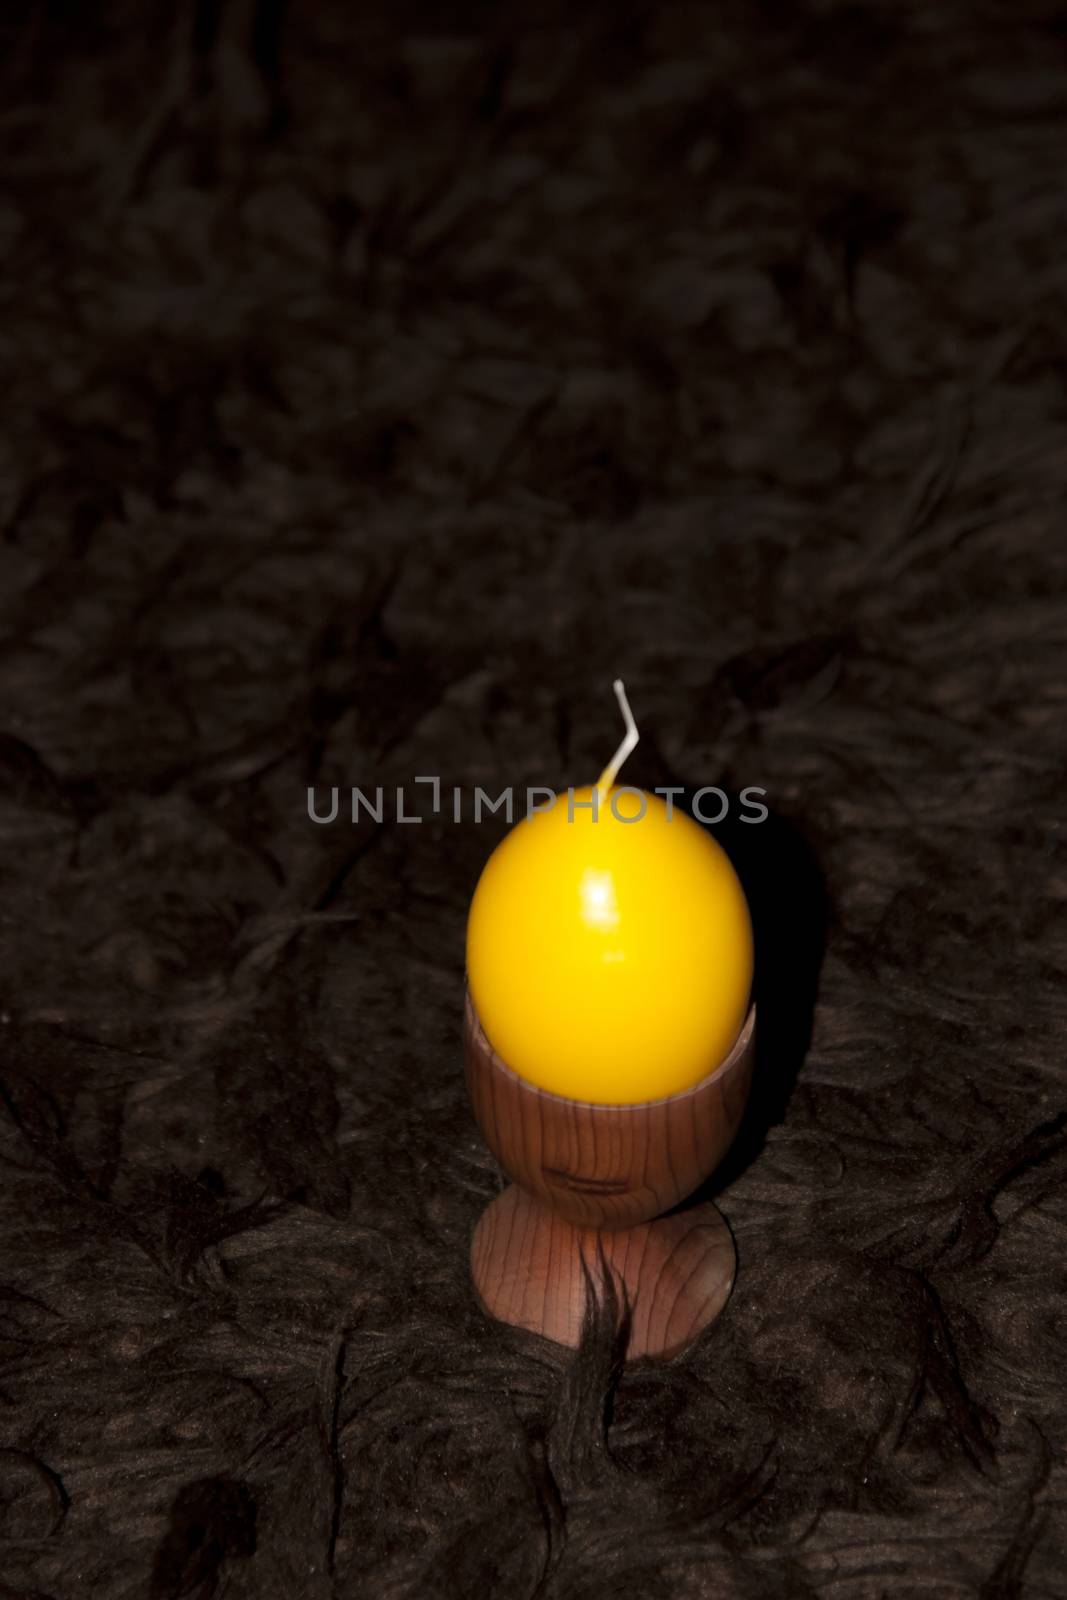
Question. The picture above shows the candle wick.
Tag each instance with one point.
(610, 772)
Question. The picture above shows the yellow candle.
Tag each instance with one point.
(609, 955)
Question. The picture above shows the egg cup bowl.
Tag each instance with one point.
(604, 1183)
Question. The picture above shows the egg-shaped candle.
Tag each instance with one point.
(609, 946)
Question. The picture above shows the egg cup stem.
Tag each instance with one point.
(672, 1275)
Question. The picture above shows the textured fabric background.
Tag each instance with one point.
(379, 384)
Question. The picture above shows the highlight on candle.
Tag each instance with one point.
(609, 947)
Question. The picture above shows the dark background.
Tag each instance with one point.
(378, 385)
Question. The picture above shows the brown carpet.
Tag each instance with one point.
(380, 383)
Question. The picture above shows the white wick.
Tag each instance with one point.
(610, 772)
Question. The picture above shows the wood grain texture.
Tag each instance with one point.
(675, 1272)
(591, 1184)
(606, 1165)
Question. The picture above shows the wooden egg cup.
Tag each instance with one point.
(592, 1179)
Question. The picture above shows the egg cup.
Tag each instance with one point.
(595, 1182)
